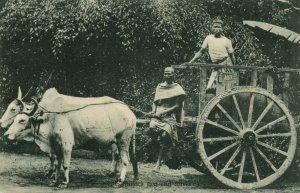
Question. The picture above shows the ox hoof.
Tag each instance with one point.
(118, 179)
(111, 174)
(118, 185)
(156, 169)
(53, 184)
(62, 186)
(49, 174)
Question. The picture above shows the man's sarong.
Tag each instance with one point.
(227, 71)
(166, 123)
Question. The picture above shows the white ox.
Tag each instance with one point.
(69, 121)
(18, 106)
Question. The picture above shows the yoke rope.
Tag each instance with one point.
(94, 104)
(72, 110)
(10, 118)
(131, 107)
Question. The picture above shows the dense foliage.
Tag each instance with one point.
(119, 48)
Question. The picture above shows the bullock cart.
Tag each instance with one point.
(245, 135)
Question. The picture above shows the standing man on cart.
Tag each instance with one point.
(220, 50)
(168, 102)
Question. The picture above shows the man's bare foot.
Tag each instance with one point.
(156, 169)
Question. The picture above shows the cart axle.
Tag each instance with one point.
(248, 137)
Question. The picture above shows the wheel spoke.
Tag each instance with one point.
(229, 117)
(239, 111)
(250, 110)
(242, 167)
(263, 114)
(254, 165)
(239, 147)
(221, 139)
(223, 150)
(271, 124)
(230, 160)
(272, 148)
(275, 135)
(265, 158)
(221, 127)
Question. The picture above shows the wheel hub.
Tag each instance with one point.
(248, 137)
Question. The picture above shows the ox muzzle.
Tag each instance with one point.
(9, 135)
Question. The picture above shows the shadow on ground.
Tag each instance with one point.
(28, 170)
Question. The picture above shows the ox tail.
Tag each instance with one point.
(134, 138)
(132, 152)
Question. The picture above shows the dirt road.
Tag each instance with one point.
(25, 174)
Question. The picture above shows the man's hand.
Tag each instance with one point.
(158, 114)
(185, 64)
(232, 57)
(153, 115)
(191, 61)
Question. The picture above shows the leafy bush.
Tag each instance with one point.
(120, 48)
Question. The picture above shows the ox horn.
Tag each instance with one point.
(19, 93)
(27, 93)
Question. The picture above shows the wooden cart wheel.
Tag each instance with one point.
(247, 137)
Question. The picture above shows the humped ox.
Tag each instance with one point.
(18, 106)
(69, 121)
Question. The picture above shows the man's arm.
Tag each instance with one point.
(151, 113)
(171, 109)
(230, 51)
(153, 108)
(232, 57)
(197, 55)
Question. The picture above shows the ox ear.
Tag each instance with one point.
(19, 93)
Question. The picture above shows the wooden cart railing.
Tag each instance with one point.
(266, 73)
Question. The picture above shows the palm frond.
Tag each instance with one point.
(276, 30)
(288, 4)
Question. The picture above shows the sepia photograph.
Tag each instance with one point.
(149, 96)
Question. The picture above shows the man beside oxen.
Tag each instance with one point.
(167, 106)
(59, 122)
(67, 121)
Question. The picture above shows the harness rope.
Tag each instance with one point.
(94, 104)
(10, 118)
(72, 110)
(77, 109)
(63, 112)
(37, 125)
